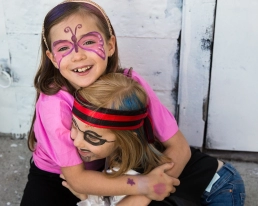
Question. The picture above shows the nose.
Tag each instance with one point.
(78, 140)
(78, 55)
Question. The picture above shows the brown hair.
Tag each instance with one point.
(116, 91)
(48, 79)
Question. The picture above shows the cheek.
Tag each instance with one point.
(102, 152)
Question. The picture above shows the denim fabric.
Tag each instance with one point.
(228, 190)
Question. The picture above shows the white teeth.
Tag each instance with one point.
(82, 69)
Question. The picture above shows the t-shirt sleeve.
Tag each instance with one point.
(52, 131)
(164, 123)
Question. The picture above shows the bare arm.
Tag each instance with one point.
(155, 185)
(178, 150)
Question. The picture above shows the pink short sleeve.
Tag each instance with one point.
(164, 123)
(54, 147)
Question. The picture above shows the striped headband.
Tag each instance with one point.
(87, 2)
(112, 119)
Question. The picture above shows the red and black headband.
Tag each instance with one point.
(111, 118)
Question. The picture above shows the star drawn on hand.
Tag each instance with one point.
(130, 182)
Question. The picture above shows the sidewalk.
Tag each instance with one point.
(14, 161)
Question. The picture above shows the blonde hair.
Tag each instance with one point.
(116, 91)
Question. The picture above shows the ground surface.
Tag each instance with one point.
(14, 164)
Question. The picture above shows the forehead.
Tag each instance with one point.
(83, 126)
(88, 23)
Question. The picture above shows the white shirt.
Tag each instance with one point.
(94, 200)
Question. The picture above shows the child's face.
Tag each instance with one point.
(92, 143)
(80, 50)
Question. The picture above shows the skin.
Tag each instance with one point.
(77, 177)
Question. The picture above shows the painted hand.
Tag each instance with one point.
(157, 185)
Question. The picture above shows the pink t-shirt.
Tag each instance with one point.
(55, 149)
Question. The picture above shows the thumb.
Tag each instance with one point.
(167, 166)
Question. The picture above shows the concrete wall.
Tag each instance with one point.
(147, 38)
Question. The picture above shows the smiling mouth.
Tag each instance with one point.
(84, 153)
(82, 69)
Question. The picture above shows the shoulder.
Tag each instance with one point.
(61, 96)
(59, 104)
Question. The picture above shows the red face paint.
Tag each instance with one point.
(91, 41)
(159, 188)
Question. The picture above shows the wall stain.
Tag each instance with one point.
(156, 73)
(206, 44)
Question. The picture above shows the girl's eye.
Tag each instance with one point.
(92, 138)
(89, 42)
(63, 49)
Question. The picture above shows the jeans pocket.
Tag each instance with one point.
(220, 195)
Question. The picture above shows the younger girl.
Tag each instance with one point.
(78, 46)
(111, 120)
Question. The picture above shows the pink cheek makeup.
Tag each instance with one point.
(92, 41)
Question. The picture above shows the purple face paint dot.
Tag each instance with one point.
(130, 182)
(159, 189)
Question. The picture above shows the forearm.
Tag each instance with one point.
(177, 148)
(155, 185)
(97, 183)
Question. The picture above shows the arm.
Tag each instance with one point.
(97, 183)
(178, 150)
(166, 130)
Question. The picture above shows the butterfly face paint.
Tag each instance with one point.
(92, 41)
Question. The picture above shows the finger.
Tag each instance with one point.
(62, 176)
(173, 190)
(176, 182)
(64, 183)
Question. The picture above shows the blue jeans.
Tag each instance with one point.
(228, 190)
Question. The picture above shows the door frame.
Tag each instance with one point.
(198, 20)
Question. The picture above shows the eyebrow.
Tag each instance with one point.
(91, 33)
(77, 126)
(59, 42)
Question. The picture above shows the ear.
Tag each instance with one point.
(111, 45)
(134, 133)
(52, 58)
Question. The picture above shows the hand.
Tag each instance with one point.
(80, 196)
(157, 185)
